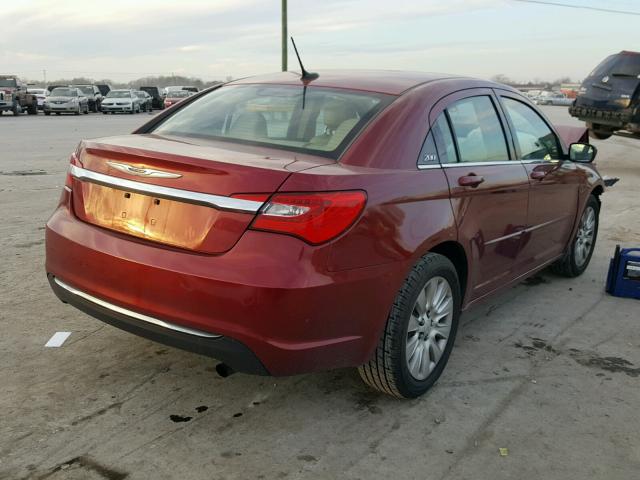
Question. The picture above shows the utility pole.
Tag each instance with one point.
(284, 35)
(44, 74)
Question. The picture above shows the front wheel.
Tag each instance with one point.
(576, 260)
(420, 331)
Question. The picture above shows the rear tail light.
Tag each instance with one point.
(313, 217)
(72, 161)
(65, 196)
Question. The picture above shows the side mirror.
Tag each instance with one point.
(582, 152)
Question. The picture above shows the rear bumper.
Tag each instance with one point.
(118, 108)
(274, 306)
(224, 349)
(61, 109)
(612, 118)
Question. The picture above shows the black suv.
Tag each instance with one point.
(609, 98)
(156, 99)
(93, 94)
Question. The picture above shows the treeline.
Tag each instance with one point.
(156, 81)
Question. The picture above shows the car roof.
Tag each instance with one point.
(391, 82)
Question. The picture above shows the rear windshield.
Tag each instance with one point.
(86, 89)
(320, 121)
(119, 94)
(64, 92)
(179, 94)
(622, 64)
(8, 82)
(627, 65)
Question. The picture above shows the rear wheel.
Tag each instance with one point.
(599, 132)
(47, 113)
(420, 331)
(576, 260)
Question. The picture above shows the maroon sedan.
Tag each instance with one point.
(286, 225)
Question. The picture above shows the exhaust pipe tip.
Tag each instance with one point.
(224, 370)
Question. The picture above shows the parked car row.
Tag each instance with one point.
(17, 97)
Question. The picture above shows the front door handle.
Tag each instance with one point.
(538, 174)
(471, 180)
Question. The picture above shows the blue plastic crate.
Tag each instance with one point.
(623, 279)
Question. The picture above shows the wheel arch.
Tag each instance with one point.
(455, 252)
(597, 191)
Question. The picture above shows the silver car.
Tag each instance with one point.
(124, 101)
(66, 100)
(553, 98)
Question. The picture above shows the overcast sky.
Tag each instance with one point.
(213, 39)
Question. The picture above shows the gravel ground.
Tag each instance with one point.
(549, 370)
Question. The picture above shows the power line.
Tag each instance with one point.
(581, 7)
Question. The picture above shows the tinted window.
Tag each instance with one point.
(477, 130)
(535, 139)
(604, 66)
(627, 64)
(316, 120)
(444, 141)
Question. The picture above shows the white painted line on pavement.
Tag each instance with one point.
(58, 339)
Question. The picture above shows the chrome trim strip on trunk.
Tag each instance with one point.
(216, 201)
(132, 314)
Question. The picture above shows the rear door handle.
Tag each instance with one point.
(471, 180)
(538, 174)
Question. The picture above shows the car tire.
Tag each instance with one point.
(86, 110)
(57, 113)
(104, 112)
(601, 134)
(47, 113)
(577, 258)
(598, 131)
(415, 324)
(94, 107)
(32, 109)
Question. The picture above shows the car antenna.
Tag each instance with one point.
(305, 75)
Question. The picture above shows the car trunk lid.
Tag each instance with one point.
(200, 197)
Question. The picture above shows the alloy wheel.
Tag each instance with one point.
(585, 236)
(429, 327)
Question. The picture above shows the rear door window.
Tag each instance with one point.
(477, 130)
(535, 140)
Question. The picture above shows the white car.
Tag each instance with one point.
(41, 95)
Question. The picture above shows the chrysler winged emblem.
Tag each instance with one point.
(142, 172)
